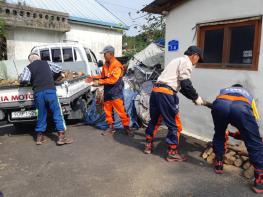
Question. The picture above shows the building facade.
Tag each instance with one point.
(31, 23)
(230, 33)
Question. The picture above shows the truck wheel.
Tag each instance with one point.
(83, 106)
(79, 109)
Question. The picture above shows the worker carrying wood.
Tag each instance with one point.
(111, 79)
(237, 107)
(164, 102)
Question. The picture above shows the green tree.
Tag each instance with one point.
(153, 29)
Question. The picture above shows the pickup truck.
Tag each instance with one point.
(17, 101)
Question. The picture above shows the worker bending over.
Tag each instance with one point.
(236, 106)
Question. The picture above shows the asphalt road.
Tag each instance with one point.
(107, 166)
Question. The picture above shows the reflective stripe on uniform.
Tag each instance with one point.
(163, 90)
(234, 98)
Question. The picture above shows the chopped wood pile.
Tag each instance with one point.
(8, 82)
(69, 75)
(236, 155)
(65, 75)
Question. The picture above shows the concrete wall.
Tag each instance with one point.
(96, 38)
(208, 82)
(20, 41)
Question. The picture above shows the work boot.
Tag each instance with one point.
(109, 131)
(174, 155)
(148, 147)
(258, 183)
(128, 131)
(40, 139)
(218, 166)
(62, 140)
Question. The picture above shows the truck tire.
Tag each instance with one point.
(83, 107)
(79, 109)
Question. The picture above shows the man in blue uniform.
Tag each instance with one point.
(41, 75)
(164, 102)
(237, 107)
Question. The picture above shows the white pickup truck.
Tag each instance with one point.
(17, 101)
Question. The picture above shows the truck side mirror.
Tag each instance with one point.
(100, 63)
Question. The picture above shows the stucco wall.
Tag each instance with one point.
(96, 38)
(208, 82)
(20, 41)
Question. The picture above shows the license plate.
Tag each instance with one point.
(23, 114)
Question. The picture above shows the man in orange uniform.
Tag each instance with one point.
(111, 79)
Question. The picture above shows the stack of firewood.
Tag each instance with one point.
(8, 82)
(236, 155)
(69, 75)
(65, 75)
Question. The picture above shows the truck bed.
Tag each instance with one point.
(22, 96)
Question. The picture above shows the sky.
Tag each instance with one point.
(122, 8)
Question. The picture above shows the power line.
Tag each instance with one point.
(111, 12)
(118, 5)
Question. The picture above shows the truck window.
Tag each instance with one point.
(88, 55)
(67, 54)
(77, 55)
(44, 55)
(56, 55)
(93, 55)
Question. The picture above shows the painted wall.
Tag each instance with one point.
(208, 82)
(96, 38)
(20, 41)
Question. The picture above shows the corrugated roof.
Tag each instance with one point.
(158, 6)
(84, 11)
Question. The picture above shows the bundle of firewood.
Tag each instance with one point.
(236, 155)
(69, 75)
(8, 82)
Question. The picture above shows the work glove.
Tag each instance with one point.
(95, 82)
(89, 79)
(199, 101)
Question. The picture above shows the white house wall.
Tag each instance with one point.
(23, 40)
(208, 82)
(20, 41)
(96, 38)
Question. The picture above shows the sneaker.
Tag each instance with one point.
(148, 148)
(40, 139)
(218, 166)
(128, 131)
(109, 131)
(174, 155)
(258, 183)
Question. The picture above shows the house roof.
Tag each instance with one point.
(88, 12)
(158, 6)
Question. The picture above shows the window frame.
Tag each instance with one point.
(227, 42)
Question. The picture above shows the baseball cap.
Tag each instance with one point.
(195, 50)
(108, 49)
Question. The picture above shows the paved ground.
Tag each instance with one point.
(107, 166)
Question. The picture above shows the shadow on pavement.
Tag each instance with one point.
(187, 144)
(26, 129)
